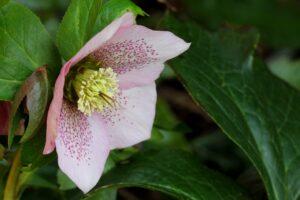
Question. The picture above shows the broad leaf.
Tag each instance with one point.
(278, 21)
(176, 173)
(113, 9)
(25, 46)
(77, 26)
(258, 111)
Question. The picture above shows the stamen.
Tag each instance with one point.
(95, 89)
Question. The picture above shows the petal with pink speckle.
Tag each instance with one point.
(138, 54)
(131, 121)
(82, 147)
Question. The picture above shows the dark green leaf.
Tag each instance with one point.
(274, 19)
(107, 194)
(176, 173)
(32, 152)
(77, 26)
(256, 110)
(25, 46)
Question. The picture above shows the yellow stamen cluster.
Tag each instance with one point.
(95, 89)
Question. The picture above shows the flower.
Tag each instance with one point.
(105, 97)
(4, 116)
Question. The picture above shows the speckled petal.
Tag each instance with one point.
(55, 107)
(4, 116)
(138, 54)
(132, 120)
(82, 147)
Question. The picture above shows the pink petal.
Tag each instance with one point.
(4, 116)
(137, 54)
(82, 147)
(55, 107)
(132, 122)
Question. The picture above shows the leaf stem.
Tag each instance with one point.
(10, 192)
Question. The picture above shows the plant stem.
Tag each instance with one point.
(10, 192)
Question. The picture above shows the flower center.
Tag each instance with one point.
(95, 89)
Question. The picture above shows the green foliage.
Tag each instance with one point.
(64, 182)
(25, 46)
(113, 9)
(274, 19)
(32, 152)
(3, 2)
(107, 194)
(176, 173)
(256, 110)
(77, 26)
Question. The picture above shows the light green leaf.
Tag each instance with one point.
(77, 26)
(259, 112)
(84, 19)
(64, 182)
(175, 173)
(25, 46)
(113, 9)
(286, 70)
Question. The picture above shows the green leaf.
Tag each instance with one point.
(25, 46)
(77, 26)
(286, 70)
(84, 19)
(36, 88)
(107, 194)
(32, 152)
(175, 173)
(64, 182)
(259, 112)
(113, 9)
(277, 21)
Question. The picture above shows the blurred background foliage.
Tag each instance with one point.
(180, 123)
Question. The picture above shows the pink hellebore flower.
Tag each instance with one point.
(115, 97)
